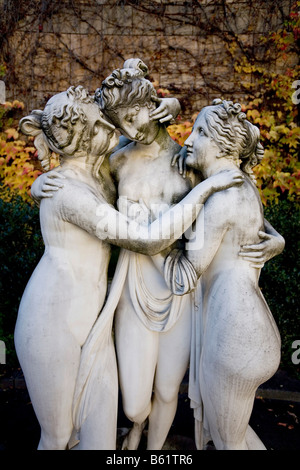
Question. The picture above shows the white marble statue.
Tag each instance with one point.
(236, 344)
(58, 314)
(153, 326)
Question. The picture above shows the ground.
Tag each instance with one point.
(276, 421)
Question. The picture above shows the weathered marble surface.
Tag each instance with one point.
(66, 350)
(235, 341)
(68, 287)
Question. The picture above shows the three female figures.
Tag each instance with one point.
(148, 356)
(67, 290)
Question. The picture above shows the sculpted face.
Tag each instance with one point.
(201, 148)
(135, 123)
(75, 125)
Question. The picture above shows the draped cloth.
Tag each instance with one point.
(98, 368)
(182, 279)
(98, 361)
(179, 273)
(194, 392)
(157, 314)
(202, 433)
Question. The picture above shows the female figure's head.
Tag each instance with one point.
(71, 125)
(222, 131)
(127, 99)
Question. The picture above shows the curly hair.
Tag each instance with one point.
(125, 87)
(53, 127)
(236, 137)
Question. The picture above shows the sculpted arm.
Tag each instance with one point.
(80, 207)
(45, 185)
(272, 244)
(182, 269)
(102, 220)
(209, 230)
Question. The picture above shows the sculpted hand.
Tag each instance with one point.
(142, 213)
(258, 254)
(45, 185)
(137, 211)
(168, 109)
(180, 158)
(226, 179)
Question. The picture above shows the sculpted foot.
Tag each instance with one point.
(132, 440)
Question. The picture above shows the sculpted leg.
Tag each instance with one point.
(99, 429)
(137, 356)
(174, 351)
(161, 417)
(227, 409)
(49, 362)
(132, 440)
(241, 350)
(253, 441)
(228, 402)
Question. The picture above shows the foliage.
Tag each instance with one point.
(21, 247)
(278, 175)
(271, 108)
(180, 131)
(2, 71)
(184, 42)
(19, 164)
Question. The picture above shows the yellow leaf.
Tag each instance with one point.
(12, 133)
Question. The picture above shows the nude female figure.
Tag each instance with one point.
(237, 344)
(67, 290)
(152, 333)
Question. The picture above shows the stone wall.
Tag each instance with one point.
(187, 45)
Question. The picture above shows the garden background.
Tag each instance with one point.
(196, 51)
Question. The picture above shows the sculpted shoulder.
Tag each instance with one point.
(232, 204)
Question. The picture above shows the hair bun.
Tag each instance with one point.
(138, 65)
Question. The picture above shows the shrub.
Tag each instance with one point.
(272, 108)
(21, 247)
(19, 164)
